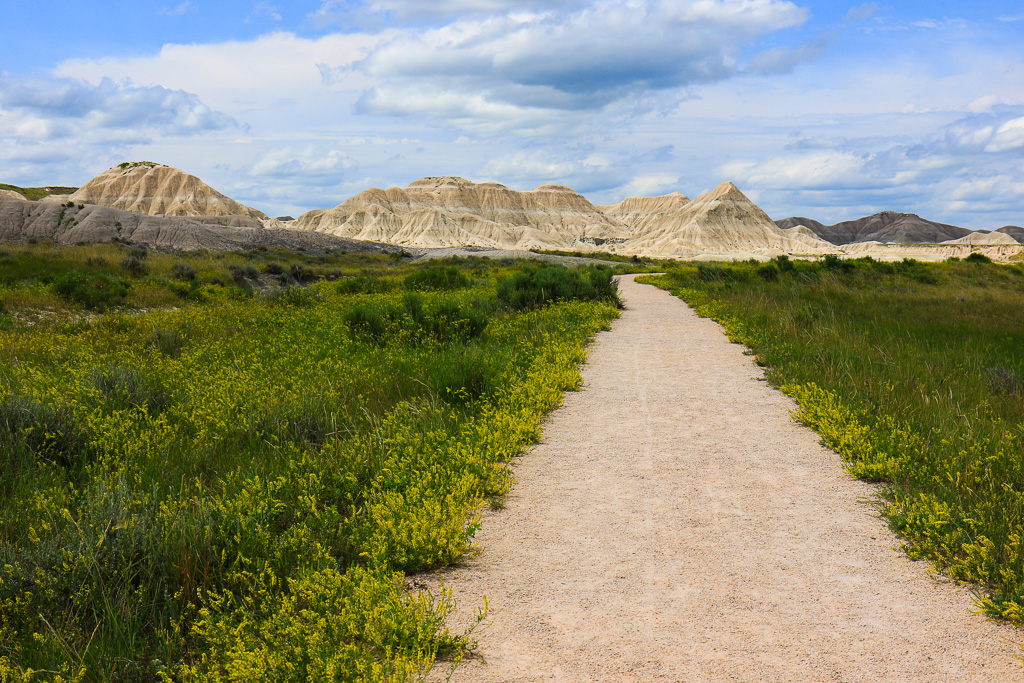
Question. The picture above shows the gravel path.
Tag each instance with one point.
(677, 525)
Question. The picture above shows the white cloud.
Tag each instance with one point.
(1009, 136)
(861, 12)
(650, 184)
(184, 8)
(305, 164)
(530, 165)
(264, 9)
(60, 108)
(509, 66)
(347, 13)
(236, 74)
(816, 170)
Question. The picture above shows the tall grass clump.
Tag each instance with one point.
(537, 285)
(237, 490)
(913, 373)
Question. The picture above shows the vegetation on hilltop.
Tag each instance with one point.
(914, 373)
(125, 165)
(37, 193)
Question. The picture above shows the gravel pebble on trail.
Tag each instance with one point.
(675, 524)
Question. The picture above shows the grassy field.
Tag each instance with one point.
(209, 473)
(914, 373)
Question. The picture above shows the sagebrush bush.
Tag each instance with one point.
(363, 285)
(31, 432)
(183, 271)
(537, 285)
(437, 278)
(97, 292)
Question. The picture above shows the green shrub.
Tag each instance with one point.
(978, 257)
(300, 273)
(96, 292)
(293, 296)
(168, 342)
(135, 266)
(32, 431)
(412, 302)
(273, 268)
(537, 285)
(784, 264)
(437, 278)
(242, 274)
(183, 271)
(125, 386)
(363, 285)
(366, 320)
(463, 375)
(708, 273)
(449, 320)
(769, 272)
(833, 262)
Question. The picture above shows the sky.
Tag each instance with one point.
(829, 110)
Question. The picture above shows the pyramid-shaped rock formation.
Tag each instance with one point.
(155, 189)
(450, 211)
(723, 221)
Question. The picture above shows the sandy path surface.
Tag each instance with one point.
(677, 525)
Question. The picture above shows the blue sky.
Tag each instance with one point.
(830, 110)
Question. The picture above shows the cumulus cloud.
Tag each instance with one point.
(649, 184)
(345, 12)
(1009, 136)
(309, 163)
(64, 107)
(807, 171)
(493, 67)
(234, 74)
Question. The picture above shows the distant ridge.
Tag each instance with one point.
(446, 211)
(887, 226)
(1014, 231)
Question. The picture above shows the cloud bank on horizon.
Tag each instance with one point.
(826, 109)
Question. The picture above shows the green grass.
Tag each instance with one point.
(37, 193)
(914, 373)
(234, 487)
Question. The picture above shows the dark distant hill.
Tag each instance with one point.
(1014, 231)
(810, 223)
(887, 226)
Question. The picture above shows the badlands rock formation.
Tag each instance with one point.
(984, 238)
(723, 221)
(449, 211)
(641, 214)
(21, 218)
(1013, 231)
(155, 189)
(884, 227)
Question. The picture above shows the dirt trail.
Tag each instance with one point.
(677, 525)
